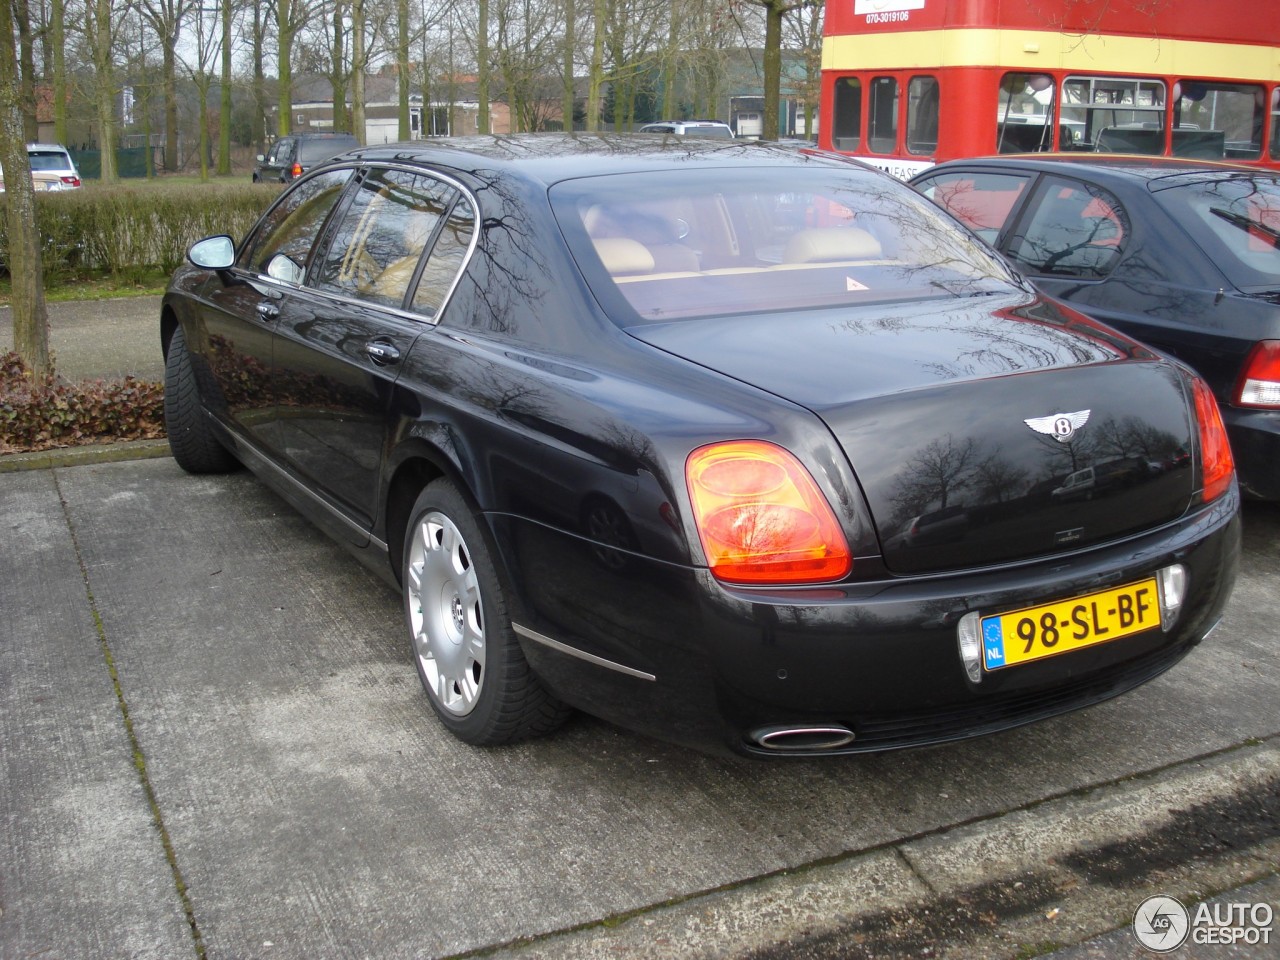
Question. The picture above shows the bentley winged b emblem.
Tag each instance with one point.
(1061, 426)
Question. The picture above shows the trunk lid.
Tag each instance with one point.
(982, 430)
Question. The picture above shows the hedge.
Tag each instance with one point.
(129, 230)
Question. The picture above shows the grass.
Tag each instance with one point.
(96, 286)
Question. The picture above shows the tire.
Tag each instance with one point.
(465, 650)
(191, 436)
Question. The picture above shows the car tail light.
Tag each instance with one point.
(1215, 450)
(71, 181)
(1259, 384)
(761, 516)
(296, 169)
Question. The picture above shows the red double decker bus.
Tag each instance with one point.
(906, 83)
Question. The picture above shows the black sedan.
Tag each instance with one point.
(1183, 255)
(742, 447)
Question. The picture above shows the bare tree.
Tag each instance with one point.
(199, 65)
(101, 38)
(774, 13)
(166, 18)
(224, 112)
(30, 317)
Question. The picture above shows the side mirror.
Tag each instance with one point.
(281, 268)
(213, 253)
(262, 158)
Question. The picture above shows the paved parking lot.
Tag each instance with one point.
(214, 745)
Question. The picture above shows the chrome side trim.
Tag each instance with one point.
(297, 485)
(580, 654)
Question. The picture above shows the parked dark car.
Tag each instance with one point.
(1183, 255)
(292, 156)
(632, 434)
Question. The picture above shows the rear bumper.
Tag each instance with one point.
(1255, 443)
(711, 667)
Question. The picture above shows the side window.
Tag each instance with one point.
(846, 133)
(1275, 124)
(291, 226)
(981, 201)
(380, 238)
(1115, 114)
(882, 135)
(1212, 121)
(922, 115)
(1070, 229)
(1025, 122)
(445, 260)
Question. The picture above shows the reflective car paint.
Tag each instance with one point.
(1168, 286)
(569, 427)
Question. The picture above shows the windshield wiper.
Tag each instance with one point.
(1248, 224)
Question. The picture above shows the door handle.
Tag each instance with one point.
(381, 353)
(268, 310)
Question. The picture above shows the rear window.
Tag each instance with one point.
(658, 247)
(49, 160)
(313, 151)
(1237, 222)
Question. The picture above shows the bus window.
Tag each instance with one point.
(1216, 120)
(1024, 119)
(1275, 124)
(846, 130)
(922, 115)
(1116, 114)
(882, 137)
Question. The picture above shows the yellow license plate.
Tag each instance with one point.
(1046, 631)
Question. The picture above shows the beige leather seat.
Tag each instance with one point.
(648, 225)
(830, 245)
(623, 257)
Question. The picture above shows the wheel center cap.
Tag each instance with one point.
(455, 608)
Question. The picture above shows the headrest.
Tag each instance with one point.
(621, 256)
(824, 244)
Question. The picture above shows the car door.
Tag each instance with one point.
(983, 201)
(1137, 271)
(343, 334)
(279, 159)
(239, 312)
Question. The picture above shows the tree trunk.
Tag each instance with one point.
(104, 86)
(338, 69)
(669, 65)
(482, 68)
(169, 64)
(595, 78)
(58, 43)
(30, 318)
(27, 67)
(224, 113)
(284, 94)
(259, 125)
(402, 71)
(774, 11)
(567, 97)
(359, 56)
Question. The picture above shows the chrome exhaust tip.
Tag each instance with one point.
(811, 738)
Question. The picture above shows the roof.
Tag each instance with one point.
(1168, 171)
(551, 157)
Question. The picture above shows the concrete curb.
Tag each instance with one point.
(1023, 883)
(85, 454)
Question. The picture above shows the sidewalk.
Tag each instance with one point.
(94, 339)
(215, 746)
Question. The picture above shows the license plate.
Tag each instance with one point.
(1046, 631)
